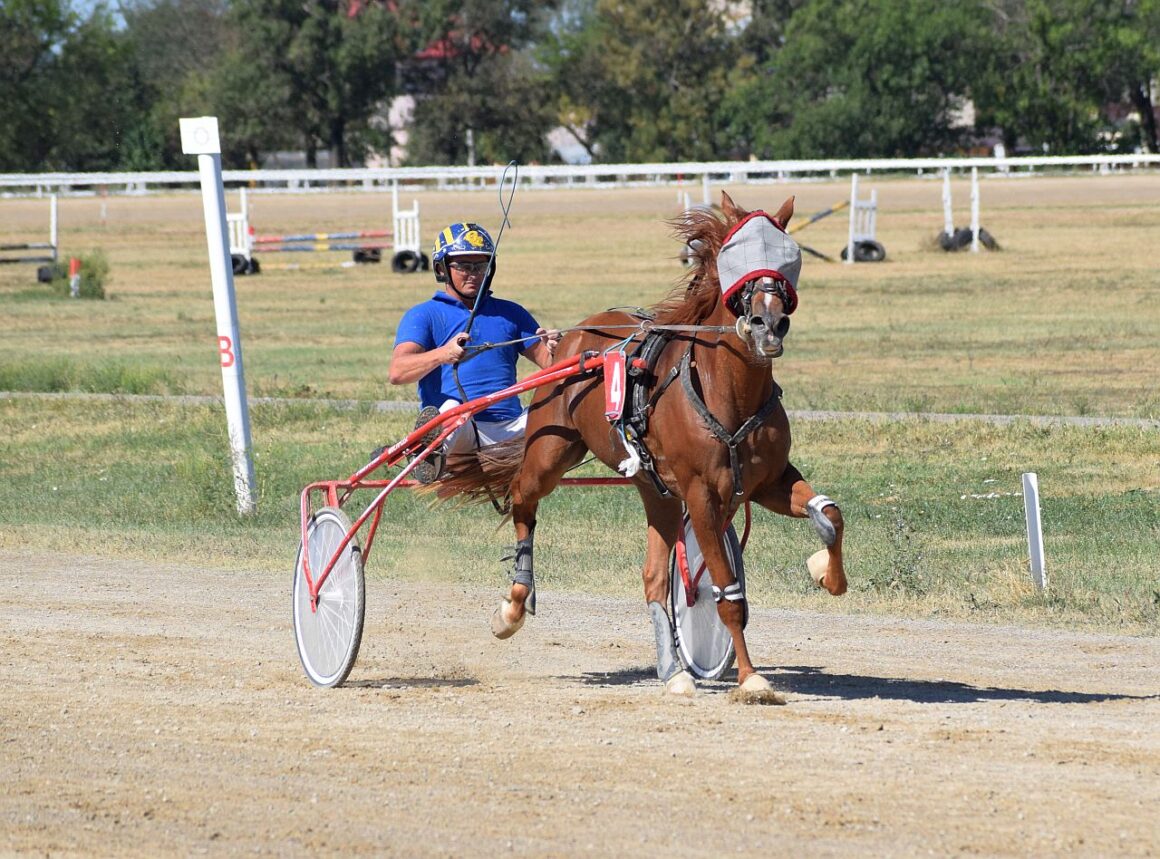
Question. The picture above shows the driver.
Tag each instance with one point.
(432, 338)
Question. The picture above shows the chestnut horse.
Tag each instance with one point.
(717, 436)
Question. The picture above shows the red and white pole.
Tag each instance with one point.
(74, 277)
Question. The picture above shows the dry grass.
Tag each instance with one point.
(1063, 320)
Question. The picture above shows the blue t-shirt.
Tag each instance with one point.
(439, 319)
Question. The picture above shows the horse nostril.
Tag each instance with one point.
(782, 327)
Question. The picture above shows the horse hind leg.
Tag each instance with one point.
(664, 521)
(546, 460)
(792, 496)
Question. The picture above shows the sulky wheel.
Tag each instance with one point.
(703, 642)
(328, 637)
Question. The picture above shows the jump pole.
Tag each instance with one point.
(199, 136)
(1034, 529)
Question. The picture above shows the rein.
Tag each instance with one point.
(643, 328)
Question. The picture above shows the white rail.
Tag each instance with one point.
(552, 176)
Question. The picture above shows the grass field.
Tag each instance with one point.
(1062, 321)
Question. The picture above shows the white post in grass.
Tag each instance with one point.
(1034, 529)
(199, 136)
(948, 216)
(52, 229)
(853, 218)
(974, 210)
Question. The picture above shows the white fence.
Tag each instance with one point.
(556, 176)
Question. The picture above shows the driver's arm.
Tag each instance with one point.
(410, 362)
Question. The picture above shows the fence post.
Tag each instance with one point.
(199, 136)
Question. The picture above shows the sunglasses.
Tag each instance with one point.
(471, 267)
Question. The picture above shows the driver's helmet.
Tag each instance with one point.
(457, 239)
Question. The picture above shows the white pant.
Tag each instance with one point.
(490, 432)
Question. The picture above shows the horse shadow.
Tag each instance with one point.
(814, 681)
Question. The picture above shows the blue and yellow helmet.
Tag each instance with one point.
(456, 239)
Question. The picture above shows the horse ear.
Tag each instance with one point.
(785, 212)
(731, 209)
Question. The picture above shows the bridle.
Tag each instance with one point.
(741, 305)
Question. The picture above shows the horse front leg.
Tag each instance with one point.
(792, 496)
(664, 522)
(708, 520)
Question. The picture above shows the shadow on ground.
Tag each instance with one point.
(813, 681)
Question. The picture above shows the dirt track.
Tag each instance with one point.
(161, 710)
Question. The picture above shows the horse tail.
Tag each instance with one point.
(480, 475)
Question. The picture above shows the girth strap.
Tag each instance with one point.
(730, 441)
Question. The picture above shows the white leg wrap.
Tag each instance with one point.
(824, 527)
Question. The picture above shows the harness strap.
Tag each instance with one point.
(730, 441)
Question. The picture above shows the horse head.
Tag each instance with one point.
(746, 269)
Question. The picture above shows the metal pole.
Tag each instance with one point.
(199, 136)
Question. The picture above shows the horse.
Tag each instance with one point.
(718, 439)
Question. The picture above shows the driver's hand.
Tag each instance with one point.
(455, 347)
(551, 339)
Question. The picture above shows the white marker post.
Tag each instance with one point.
(974, 210)
(853, 218)
(199, 136)
(948, 216)
(1034, 529)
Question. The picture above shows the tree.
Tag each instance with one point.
(1063, 63)
(480, 92)
(332, 64)
(68, 93)
(177, 46)
(863, 78)
(643, 81)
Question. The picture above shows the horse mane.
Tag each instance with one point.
(699, 292)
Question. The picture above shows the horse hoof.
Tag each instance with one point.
(503, 628)
(818, 564)
(682, 684)
(756, 690)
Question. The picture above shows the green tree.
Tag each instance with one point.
(865, 78)
(331, 65)
(68, 91)
(479, 91)
(644, 81)
(177, 46)
(1063, 66)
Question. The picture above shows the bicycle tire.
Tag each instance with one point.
(328, 637)
(704, 645)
